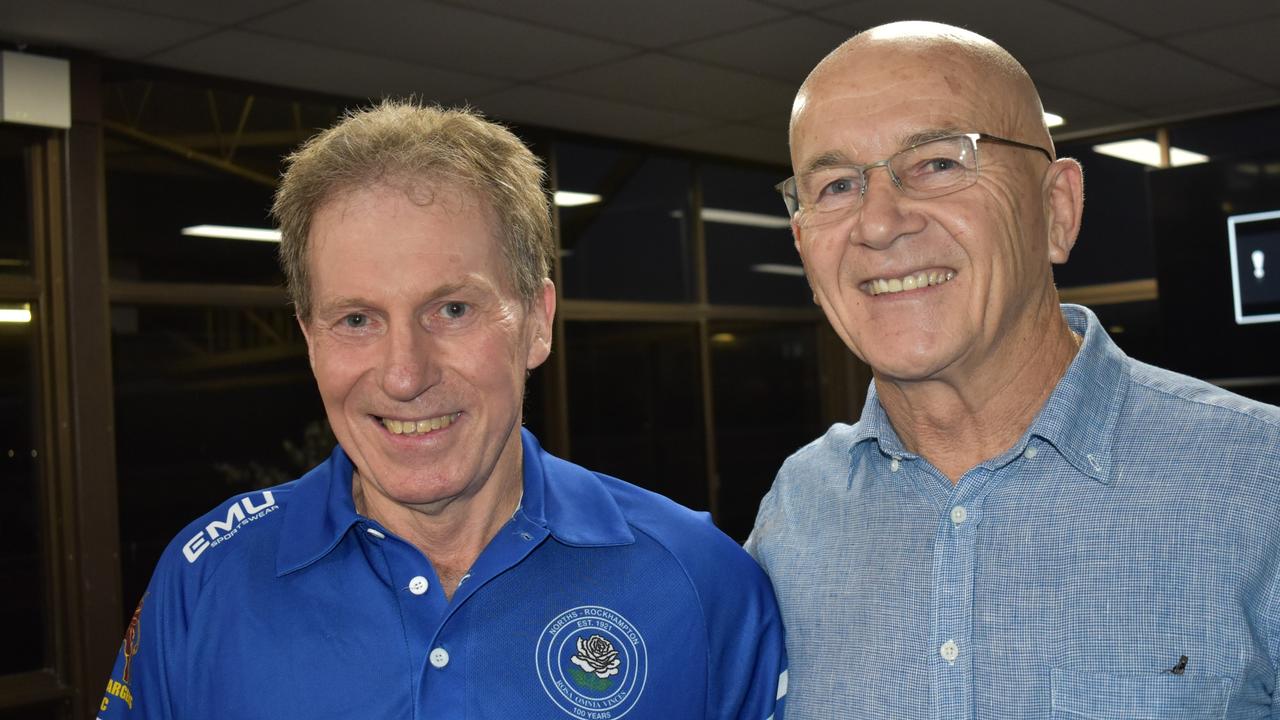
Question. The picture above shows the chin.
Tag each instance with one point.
(917, 359)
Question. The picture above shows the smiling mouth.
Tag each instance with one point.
(913, 281)
(418, 427)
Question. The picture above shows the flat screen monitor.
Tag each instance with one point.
(1255, 266)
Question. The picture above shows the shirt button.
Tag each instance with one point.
(895, 464)
(1029, 453)
(959, 514)
(949, 651)
(418, 585)
(439, 658)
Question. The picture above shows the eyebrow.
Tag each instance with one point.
(835, 158)
(924, 136)
(345, 303)
(831, 158)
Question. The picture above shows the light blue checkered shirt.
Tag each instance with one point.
(1137, 521)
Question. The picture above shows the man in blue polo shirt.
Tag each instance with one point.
(440, 564)
(1024, 522)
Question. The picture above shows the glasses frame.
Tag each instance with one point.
(790, 191)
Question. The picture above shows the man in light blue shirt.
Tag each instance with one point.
(1024, 522)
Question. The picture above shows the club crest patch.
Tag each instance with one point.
(592, 663)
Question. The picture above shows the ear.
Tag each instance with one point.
(795, 233)
(306, 335)
(1063, 193)
(542, 317)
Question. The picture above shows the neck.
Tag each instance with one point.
(451, 532)
(957, 424)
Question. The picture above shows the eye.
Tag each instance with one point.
(454, 310)
(940, 165)
(840, 186)
(355, 321)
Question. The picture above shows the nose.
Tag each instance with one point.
(881, 218)
(410, 365)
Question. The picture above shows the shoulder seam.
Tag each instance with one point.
(702, 609)
(1261, 420)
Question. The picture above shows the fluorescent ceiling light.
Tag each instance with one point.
(723, 338)
(20, 314)
(568, 198)
(1053, 120)
(779, 269)
(750, 219)
(1147, 152)
(231, 232)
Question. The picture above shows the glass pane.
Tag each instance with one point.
(209, 402)
(184, 155)
(751, 258)
(1115, 241)
(149, 204)
(1240, 136)
(629, 238)
(635, 405)
(767, 405)
(15, 204)
(22, 604)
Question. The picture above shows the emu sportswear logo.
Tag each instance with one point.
(592, 663)
(219, 531)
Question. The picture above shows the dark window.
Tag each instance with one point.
(1115, 235)
(23, 603)
(751, 258)
(635, 405)
(209, 402)
(765, 391)
(150, 204)
(633, 242)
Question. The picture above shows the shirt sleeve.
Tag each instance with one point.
(748, 669)
(141, 685)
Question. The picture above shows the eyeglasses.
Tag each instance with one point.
(927, 170)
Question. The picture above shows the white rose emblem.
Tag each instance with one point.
(596, 655)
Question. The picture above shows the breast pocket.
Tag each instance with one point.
(1102, 696)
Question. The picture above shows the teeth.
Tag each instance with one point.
(880, 286)
(416, 427)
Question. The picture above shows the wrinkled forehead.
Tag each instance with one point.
(870, 104)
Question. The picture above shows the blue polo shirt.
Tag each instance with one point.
(596, 600)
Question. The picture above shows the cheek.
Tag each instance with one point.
(337, 370)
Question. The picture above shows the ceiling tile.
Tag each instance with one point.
(682, 86)
(223, 12)
(785, 50)
(807, 5)
(643, 23)
(1029, 29)
(1137, 76)
(111, 32)
(262, 58)
(557, 109)
(1248, 49)
(1173, 16)
(1216, 103)
(1082, 112)
(736, 140)
(439, 35)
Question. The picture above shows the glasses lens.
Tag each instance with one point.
(936, 168)
(828, 189)
(788, 189)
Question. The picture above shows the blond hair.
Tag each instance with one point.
(400, 141)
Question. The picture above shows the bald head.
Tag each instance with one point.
(897, 56)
